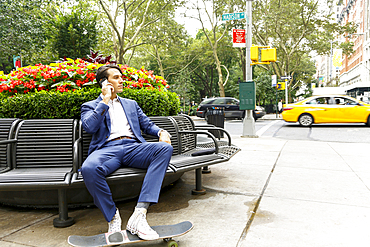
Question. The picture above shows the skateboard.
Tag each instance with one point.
(165, 232)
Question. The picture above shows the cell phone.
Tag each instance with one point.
(104, 82)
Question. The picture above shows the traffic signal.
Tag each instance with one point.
(254, 53)
(268, 55)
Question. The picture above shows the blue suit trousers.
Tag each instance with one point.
(154, 157)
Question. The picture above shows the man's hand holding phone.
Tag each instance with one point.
(107, 90)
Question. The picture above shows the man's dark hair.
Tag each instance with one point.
(102, 72)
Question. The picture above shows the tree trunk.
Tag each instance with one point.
(219, 71)
(220, 80)
(121, 54)
(159, 61)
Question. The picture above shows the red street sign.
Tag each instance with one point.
(238, 37)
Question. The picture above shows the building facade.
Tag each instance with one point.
(354, 73)
(326, 73)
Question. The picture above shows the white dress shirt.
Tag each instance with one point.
(118, 121)
(119, 125)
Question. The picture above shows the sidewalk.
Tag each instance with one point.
(274, 192)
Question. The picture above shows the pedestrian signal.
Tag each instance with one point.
(268, 55)
(254, 53)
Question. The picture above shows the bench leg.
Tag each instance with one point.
(206, 170)
(63, 220)
(198, 183)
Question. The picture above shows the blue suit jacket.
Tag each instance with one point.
(96, 121)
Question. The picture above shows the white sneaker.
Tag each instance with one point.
(137, 224)
(115, 224)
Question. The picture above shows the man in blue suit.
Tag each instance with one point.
(116, 124)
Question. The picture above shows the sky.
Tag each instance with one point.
(191, 25)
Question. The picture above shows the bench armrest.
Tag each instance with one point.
(215, 128)
(76, 150)
(10, 157)
(197, 132)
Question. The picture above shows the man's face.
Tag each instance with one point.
(115, 78)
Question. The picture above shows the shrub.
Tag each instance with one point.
(57, 90)
(55, 104)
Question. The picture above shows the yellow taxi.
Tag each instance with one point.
(327, 109)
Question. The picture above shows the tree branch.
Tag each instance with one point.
(111, 20)
(138, 29)
(227, 77)
(187, 65)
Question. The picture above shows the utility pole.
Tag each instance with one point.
(249, 129)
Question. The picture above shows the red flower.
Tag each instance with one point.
(80, 72)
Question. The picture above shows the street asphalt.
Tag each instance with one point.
(274, 192)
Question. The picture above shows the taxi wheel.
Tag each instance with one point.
(368, 121)
(305, 120)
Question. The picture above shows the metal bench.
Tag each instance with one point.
(42, 158)
(125, 177)
(188, 132)
(184, 144)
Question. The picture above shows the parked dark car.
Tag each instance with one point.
(231, 106)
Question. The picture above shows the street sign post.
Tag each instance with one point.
(286, 78)
(249, 129)
(233, 16)
(248, 122)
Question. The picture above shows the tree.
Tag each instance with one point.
(199, 74)
(197, 62)
(215, 35)
(128, 19)
(166, 41)
(21, 30)
(73, 32)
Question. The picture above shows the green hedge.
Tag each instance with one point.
(54, 104)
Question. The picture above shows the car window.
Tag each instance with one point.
(344, 101)
(219, 101)
(207, 101)
(312, 102)
(320, 100)
(230, 102)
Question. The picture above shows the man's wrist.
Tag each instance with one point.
(164, 131)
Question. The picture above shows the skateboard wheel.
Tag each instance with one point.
(172, 243)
